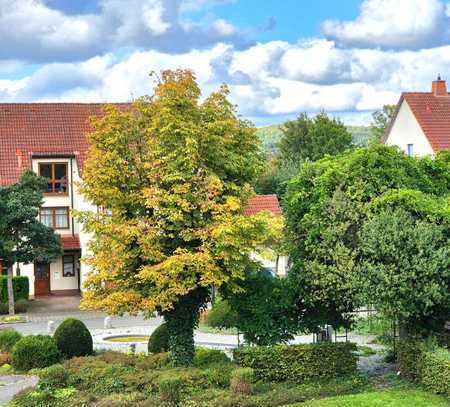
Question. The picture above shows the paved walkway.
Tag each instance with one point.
(11, 385)
(58, 308)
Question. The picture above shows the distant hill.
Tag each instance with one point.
(270, 135)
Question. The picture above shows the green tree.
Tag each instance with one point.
(173, 175)
(274, 177)
(328, 203)
(380, 122)
(266, 311)
(23, 239)
(406, 269)
(312, 138)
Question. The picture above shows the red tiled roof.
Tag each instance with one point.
(261, 203)
(28, 129)
(433, 115)
(70, 242)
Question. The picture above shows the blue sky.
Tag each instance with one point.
(279, 58)
(288, 20)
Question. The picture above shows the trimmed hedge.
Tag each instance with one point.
(21, 287)
(20, 306)
(299, 363)
(205, 357)
(436, 371)
(73, 338)
(425, 364)
(409, 358)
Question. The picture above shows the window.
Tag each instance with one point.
(69, 265)
(57, 176)
(410, 150)
(56, 218)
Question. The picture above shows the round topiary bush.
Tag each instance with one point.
(35, 352)
(73, 338)
(159, 340)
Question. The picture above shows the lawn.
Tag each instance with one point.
(394, 398)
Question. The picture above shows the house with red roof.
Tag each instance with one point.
(421, 123)
(50, 139)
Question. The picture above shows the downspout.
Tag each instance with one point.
(73, 222)
(71, 195)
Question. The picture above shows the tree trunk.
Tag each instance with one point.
(181, 321)
(10, 292)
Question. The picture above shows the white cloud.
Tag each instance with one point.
(271, 79)
(267, 80)
(394, 24)
(31, 30)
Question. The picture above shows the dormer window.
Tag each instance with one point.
(57, 177)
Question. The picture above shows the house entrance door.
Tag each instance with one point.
(41, 279)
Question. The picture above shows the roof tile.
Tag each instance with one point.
(260, 203)
(433, 115)
(28, 129)
(70, 242)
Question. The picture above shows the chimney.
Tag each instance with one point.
(439, 87)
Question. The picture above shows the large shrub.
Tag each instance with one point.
(21, 288)
(8, 338)
(53, 377)
(299, 363)
(159, 340)
(328, 204)
(221, 315)
(208, 357)
(267, 310)
(73, 338)
(35, 352)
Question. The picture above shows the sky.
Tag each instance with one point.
(279, 57)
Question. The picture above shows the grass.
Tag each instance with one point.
(389, 398)
(375, 325)
(13, 319)
(366, 350)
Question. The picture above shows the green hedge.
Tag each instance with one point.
(21, 288)
(426, 364)
(436, 371)
(409, 359)
(299, 363)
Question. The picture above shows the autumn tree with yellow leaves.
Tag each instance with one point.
(170, 175)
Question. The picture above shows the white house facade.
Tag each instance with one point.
(421, 123)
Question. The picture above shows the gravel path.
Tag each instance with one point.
(374, 365)
(13, 384)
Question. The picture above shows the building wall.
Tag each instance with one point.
(279, 268)
(73, 201)
(57, 281)
(406, 130)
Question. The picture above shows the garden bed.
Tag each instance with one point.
(116, 379)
